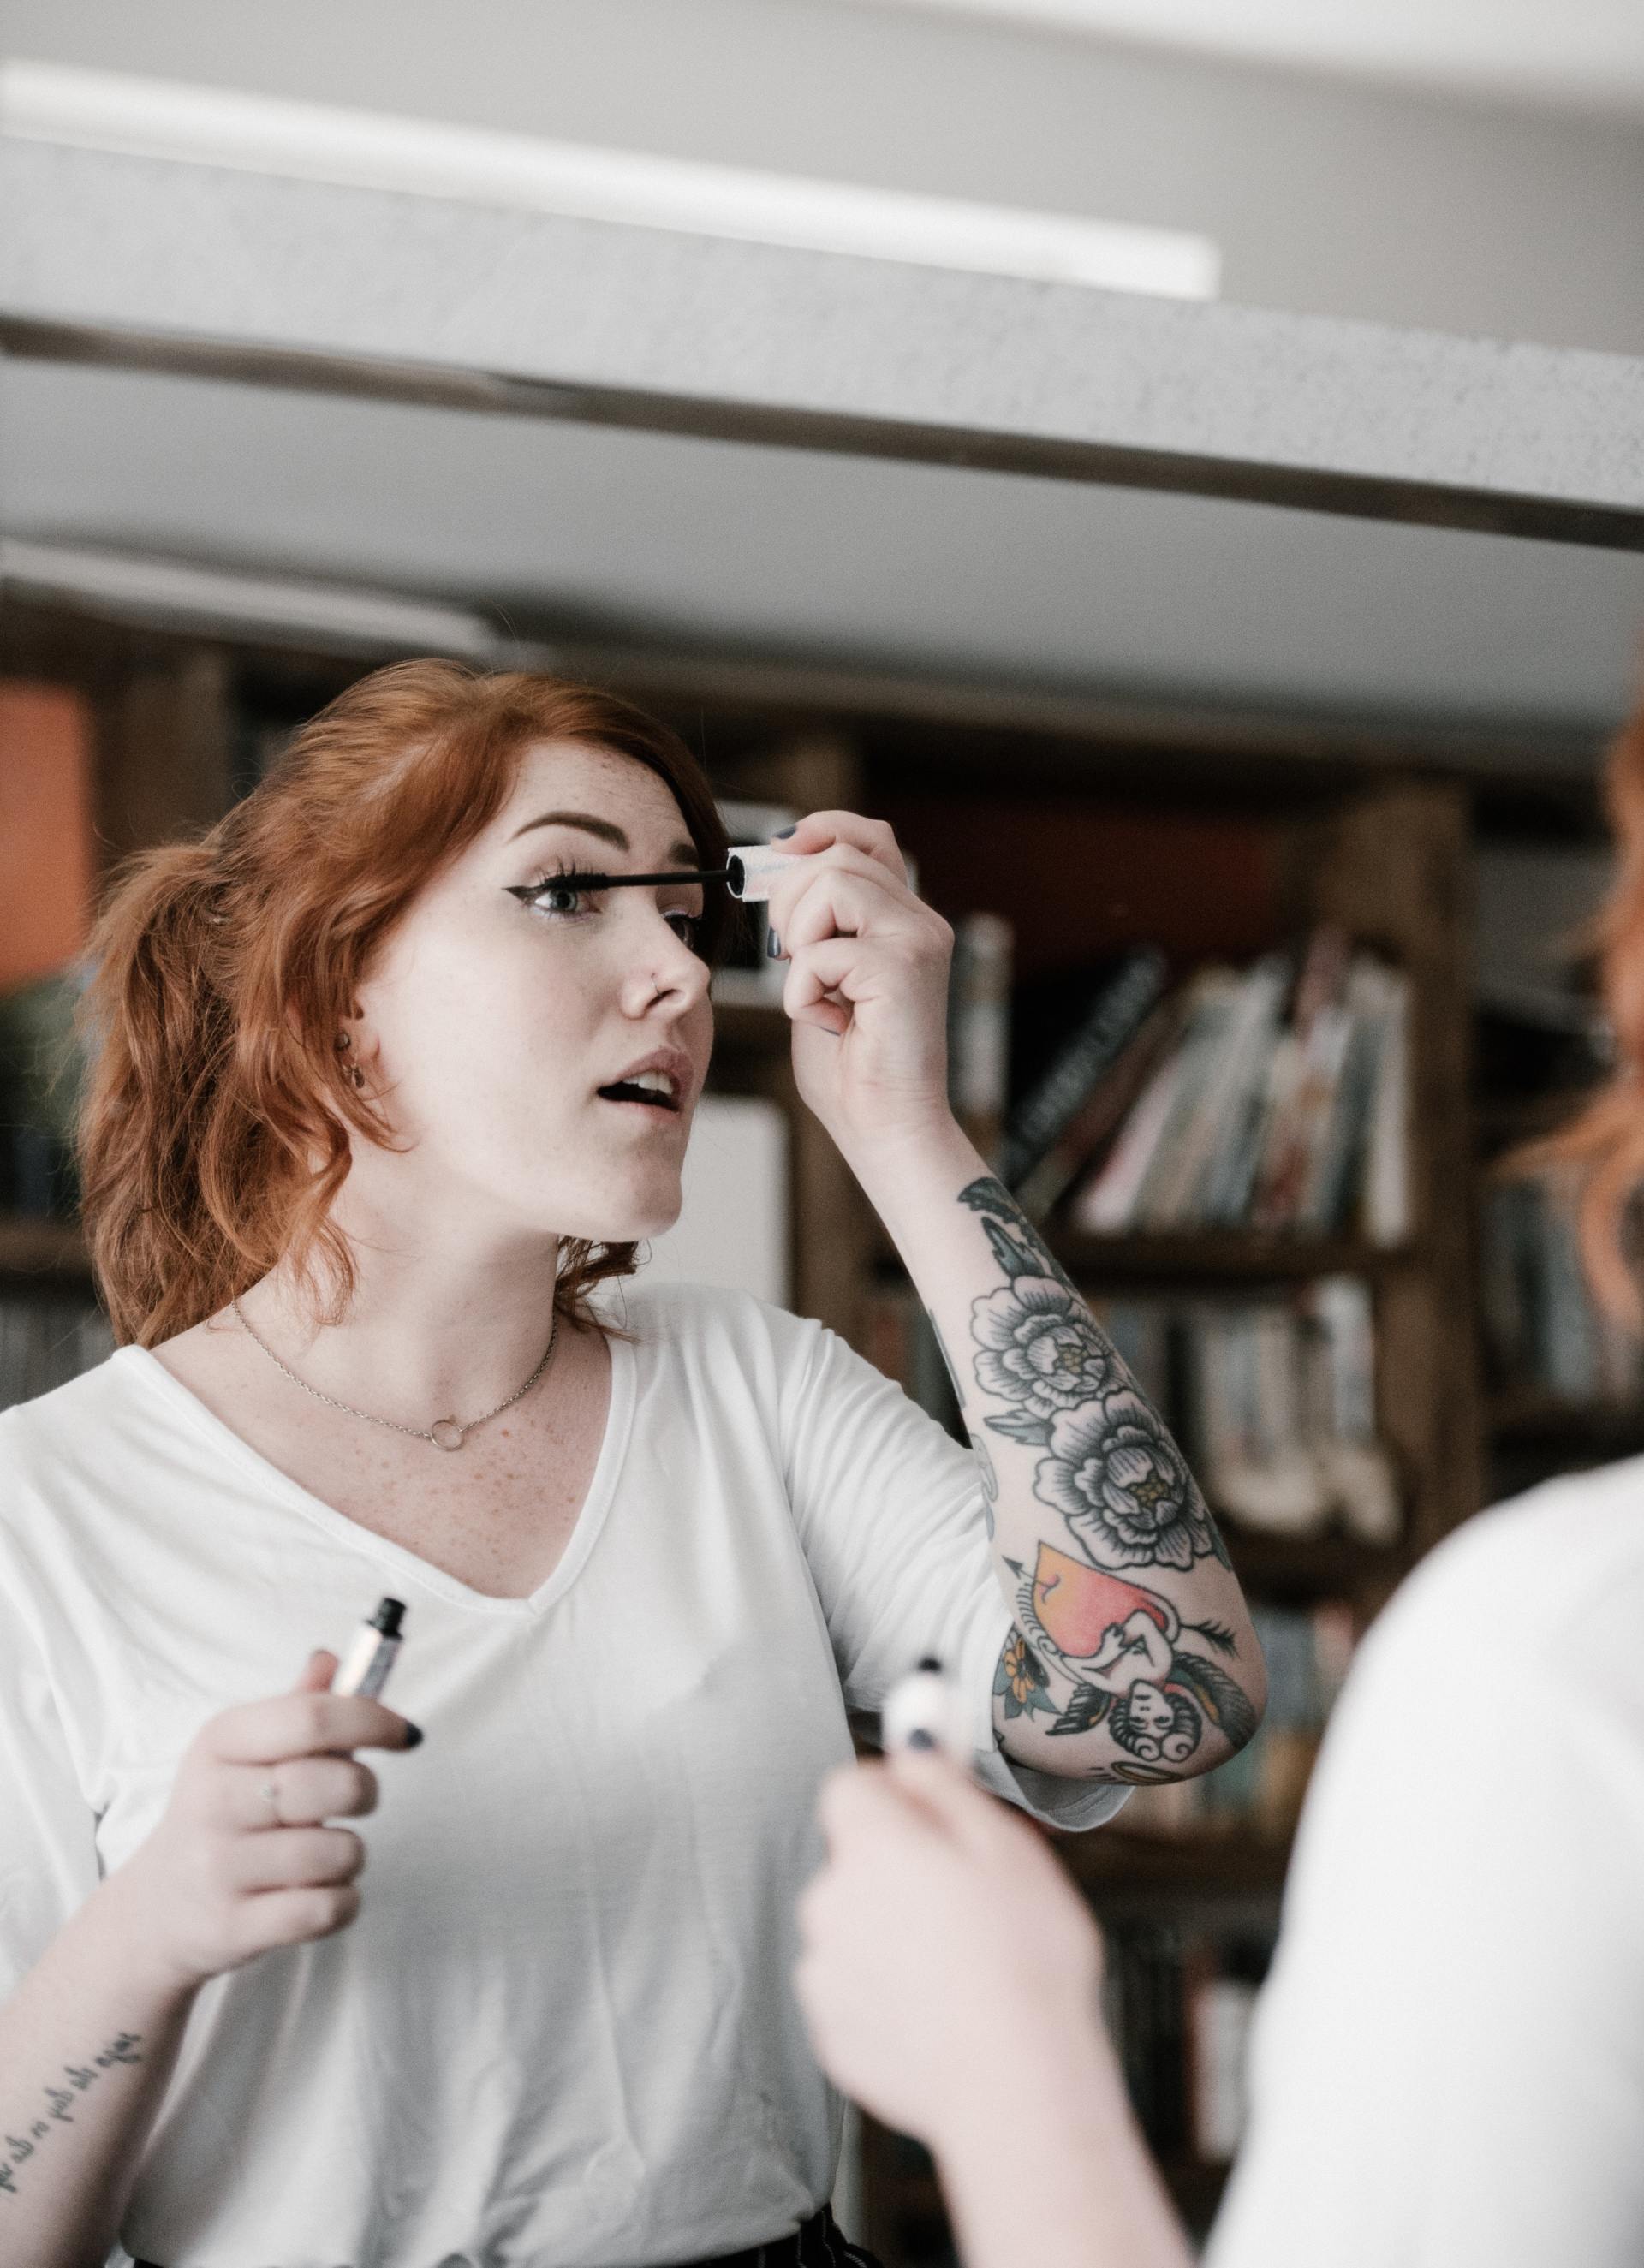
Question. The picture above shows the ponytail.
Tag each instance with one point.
(167, 1148)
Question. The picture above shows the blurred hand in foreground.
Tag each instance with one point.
(950, 1975)
(940, 1937)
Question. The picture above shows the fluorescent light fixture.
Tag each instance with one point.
(207, 126)
(282, 609)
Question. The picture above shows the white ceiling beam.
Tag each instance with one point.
(161, 263)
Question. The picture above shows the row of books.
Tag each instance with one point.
(1544, 1333)
(1178, 2002)
(1271, 1398)
(1308, 1651)
(46, 1339)
(1273, 1099)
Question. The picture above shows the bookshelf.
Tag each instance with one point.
(181, 725)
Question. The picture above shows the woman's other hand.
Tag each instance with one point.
(944, 1951)
(221, 1878)
(868, 988)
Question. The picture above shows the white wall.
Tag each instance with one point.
(1333, 198)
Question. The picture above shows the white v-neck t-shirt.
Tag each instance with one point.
(560, 2028)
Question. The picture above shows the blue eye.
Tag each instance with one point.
(553, 886)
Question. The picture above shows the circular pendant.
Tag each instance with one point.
(446, 1432)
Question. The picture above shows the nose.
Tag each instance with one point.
(661, 965)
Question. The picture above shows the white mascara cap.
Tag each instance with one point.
(750, 868)
(925, 1711)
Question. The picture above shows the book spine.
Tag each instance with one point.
(1104, 1205)
(978, 1027)
(1106, 1031)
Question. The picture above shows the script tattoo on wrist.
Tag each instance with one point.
(16, 2148)
(1087, 1622)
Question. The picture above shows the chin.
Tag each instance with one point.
(642, 1215)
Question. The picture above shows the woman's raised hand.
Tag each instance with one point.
(221, 1878)
(867, 987)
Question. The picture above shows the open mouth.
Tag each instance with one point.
(653, 1091)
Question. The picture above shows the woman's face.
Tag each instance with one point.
(491, 1024)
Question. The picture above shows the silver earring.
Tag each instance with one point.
(353, 1070)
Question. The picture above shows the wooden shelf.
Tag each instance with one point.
(1532, 1417)
(1310, 1566)
(53, 1251)
(1234, 1864)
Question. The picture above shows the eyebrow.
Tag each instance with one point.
(606, 829)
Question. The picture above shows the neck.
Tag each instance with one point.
(433, 1328)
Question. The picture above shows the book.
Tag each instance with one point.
(1102, 1204)
(978, 1027)
(1387, 1204)
(1209, 1033)
(1107, 1025)
(1211, 1152)
(1084, 1142)
(1545, 1335)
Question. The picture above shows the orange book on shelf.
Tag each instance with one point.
(46, 841)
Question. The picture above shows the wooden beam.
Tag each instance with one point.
(158, 263)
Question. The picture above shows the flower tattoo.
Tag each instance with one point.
(1119, 1480)
(1039, 1347)
(1022, 1679)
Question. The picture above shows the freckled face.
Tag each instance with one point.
(494, 1021)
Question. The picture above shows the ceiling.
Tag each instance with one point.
(1589, 54)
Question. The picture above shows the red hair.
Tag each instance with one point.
(225, 965)
(1603, 1148)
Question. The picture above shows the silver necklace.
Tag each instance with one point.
(445, 1432)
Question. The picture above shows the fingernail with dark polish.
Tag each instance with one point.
(773, 945)
(413, 1734)
(782, 833)
(918, 1738)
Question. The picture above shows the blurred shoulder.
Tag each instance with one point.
(1552, 1578)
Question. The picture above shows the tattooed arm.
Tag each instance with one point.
(87, 2047)
(1132, 1657)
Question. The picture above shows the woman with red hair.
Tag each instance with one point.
(393, 1070)
(1448, 2057)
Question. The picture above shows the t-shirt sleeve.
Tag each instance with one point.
(48, 1858)
(1447, 2065)
(891, 1516)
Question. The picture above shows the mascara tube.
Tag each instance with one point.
(925, 1711)
(750, 868)
(372, 1656)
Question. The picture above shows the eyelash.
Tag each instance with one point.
(568, 878)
